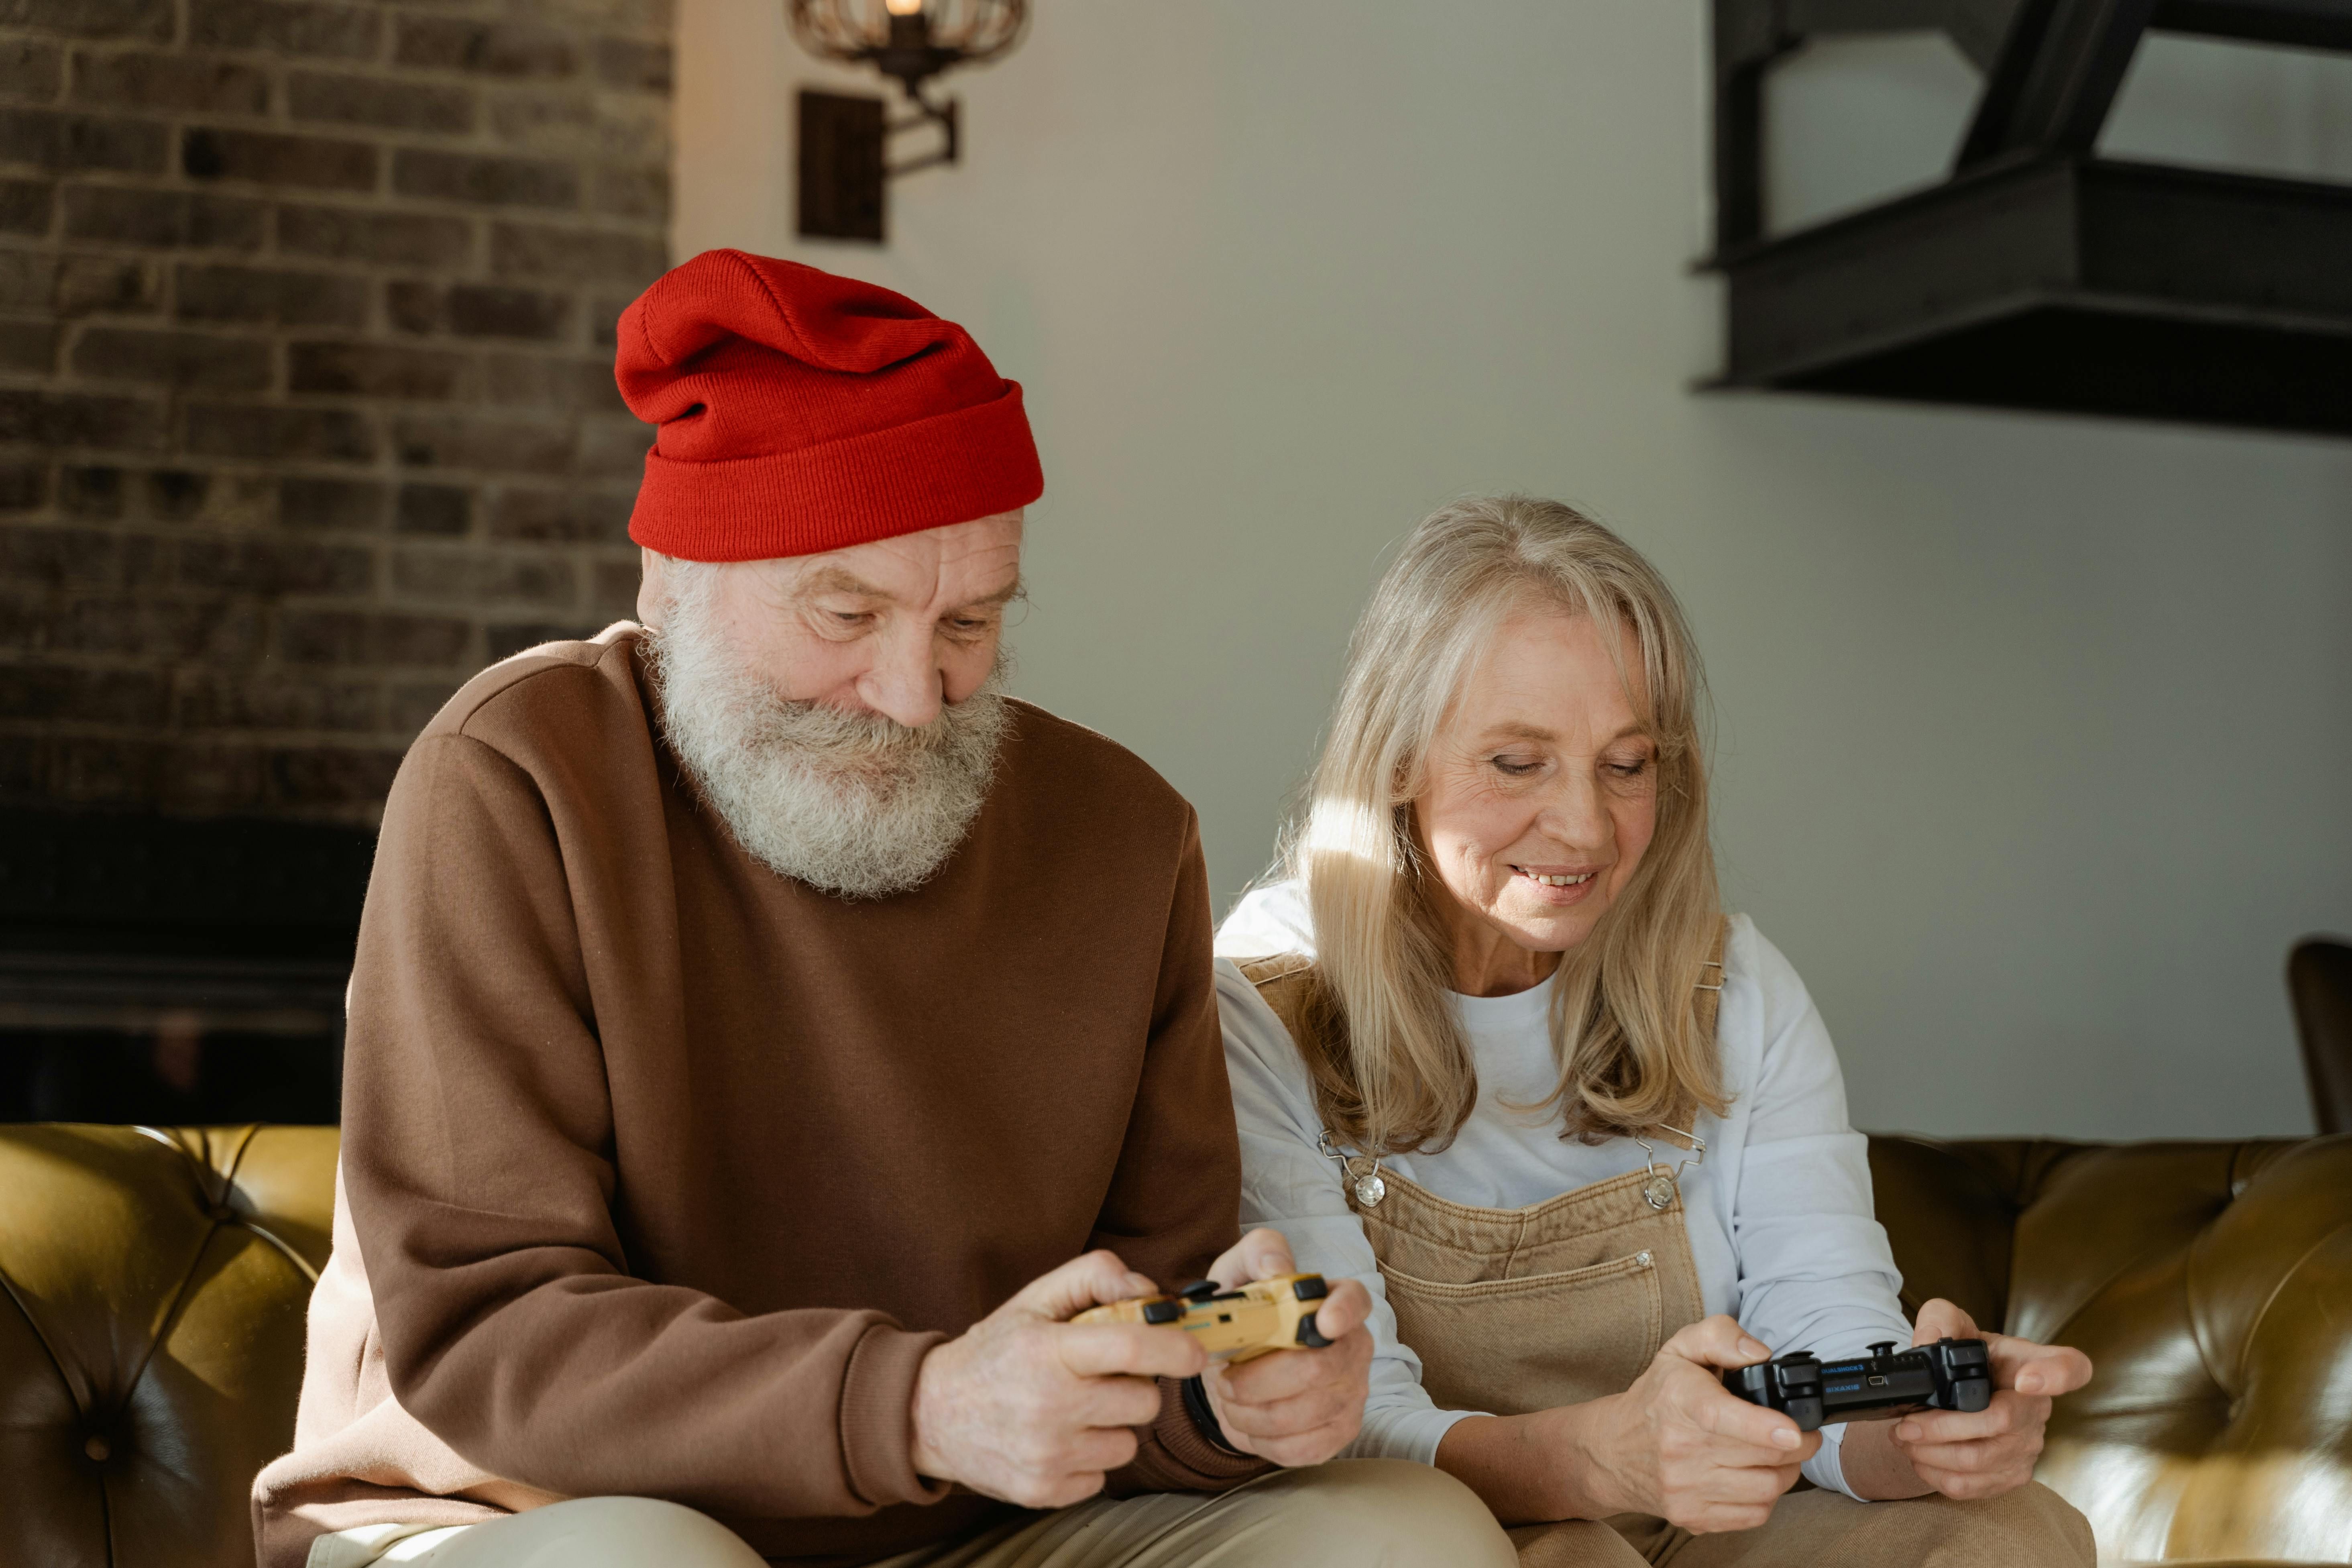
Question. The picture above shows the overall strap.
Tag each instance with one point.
(1285, 982)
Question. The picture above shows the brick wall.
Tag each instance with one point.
(306, 398)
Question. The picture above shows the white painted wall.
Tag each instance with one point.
(2035, 747)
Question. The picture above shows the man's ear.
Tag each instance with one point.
(652, 587)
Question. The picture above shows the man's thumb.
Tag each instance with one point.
(1094, 1279)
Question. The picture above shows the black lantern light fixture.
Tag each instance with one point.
(843, 137)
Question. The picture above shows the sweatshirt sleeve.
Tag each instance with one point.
(479, 1163)
(1176, 1194)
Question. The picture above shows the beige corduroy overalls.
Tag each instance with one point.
(1516, 1311)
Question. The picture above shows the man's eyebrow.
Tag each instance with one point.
(1004, 596)
(834, 580)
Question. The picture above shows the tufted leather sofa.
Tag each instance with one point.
(2211, 1286)
(151, 1347)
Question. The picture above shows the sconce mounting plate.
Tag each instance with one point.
(842, 168)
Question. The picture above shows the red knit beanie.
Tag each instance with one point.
(802, 412)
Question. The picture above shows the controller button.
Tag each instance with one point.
(1162, 1312)
(1199, 1291)
(1309, 1288)
(1883, 1347)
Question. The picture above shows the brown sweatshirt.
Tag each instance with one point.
(661, 1172)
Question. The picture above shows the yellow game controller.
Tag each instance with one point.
(1276, 1314)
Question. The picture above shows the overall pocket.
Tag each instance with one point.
(1512, 1346)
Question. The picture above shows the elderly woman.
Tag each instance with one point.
(1496, 1052)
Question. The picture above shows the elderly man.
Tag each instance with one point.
(766, 1035)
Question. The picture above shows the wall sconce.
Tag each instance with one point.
(843, 137)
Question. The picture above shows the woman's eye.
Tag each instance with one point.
(1517, 767)
(1629, 770)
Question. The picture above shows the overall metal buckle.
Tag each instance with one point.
(1664, 1186)
(1369, 1188)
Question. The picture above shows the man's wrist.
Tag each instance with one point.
(1195, 1396)
(929, 1462)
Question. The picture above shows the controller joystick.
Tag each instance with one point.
(1950, 1374)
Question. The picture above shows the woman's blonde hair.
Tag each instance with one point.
(1392, 1070)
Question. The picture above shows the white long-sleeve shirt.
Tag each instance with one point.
(1781, 1227)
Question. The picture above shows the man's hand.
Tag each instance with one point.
(1992, 1451)
(1029, 1408)
(1301, 1406)
(1680, 1445)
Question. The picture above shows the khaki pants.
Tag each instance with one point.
(1350, 1513)
(2032, 1527)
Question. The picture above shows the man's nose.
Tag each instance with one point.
(904, 681)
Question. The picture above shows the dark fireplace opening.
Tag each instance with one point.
(171, 971)
(173, 1075)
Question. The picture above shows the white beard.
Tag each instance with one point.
(856, 804)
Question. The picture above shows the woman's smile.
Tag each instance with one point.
(1555, 885)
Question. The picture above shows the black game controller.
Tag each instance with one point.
(1950, 1374)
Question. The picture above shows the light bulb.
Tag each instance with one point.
(903, 7)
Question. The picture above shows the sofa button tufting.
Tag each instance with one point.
(96, 1450)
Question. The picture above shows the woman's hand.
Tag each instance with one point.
(1680, 1445)
(1992, 1451)
(1977, 1455)
(1677, 1444)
